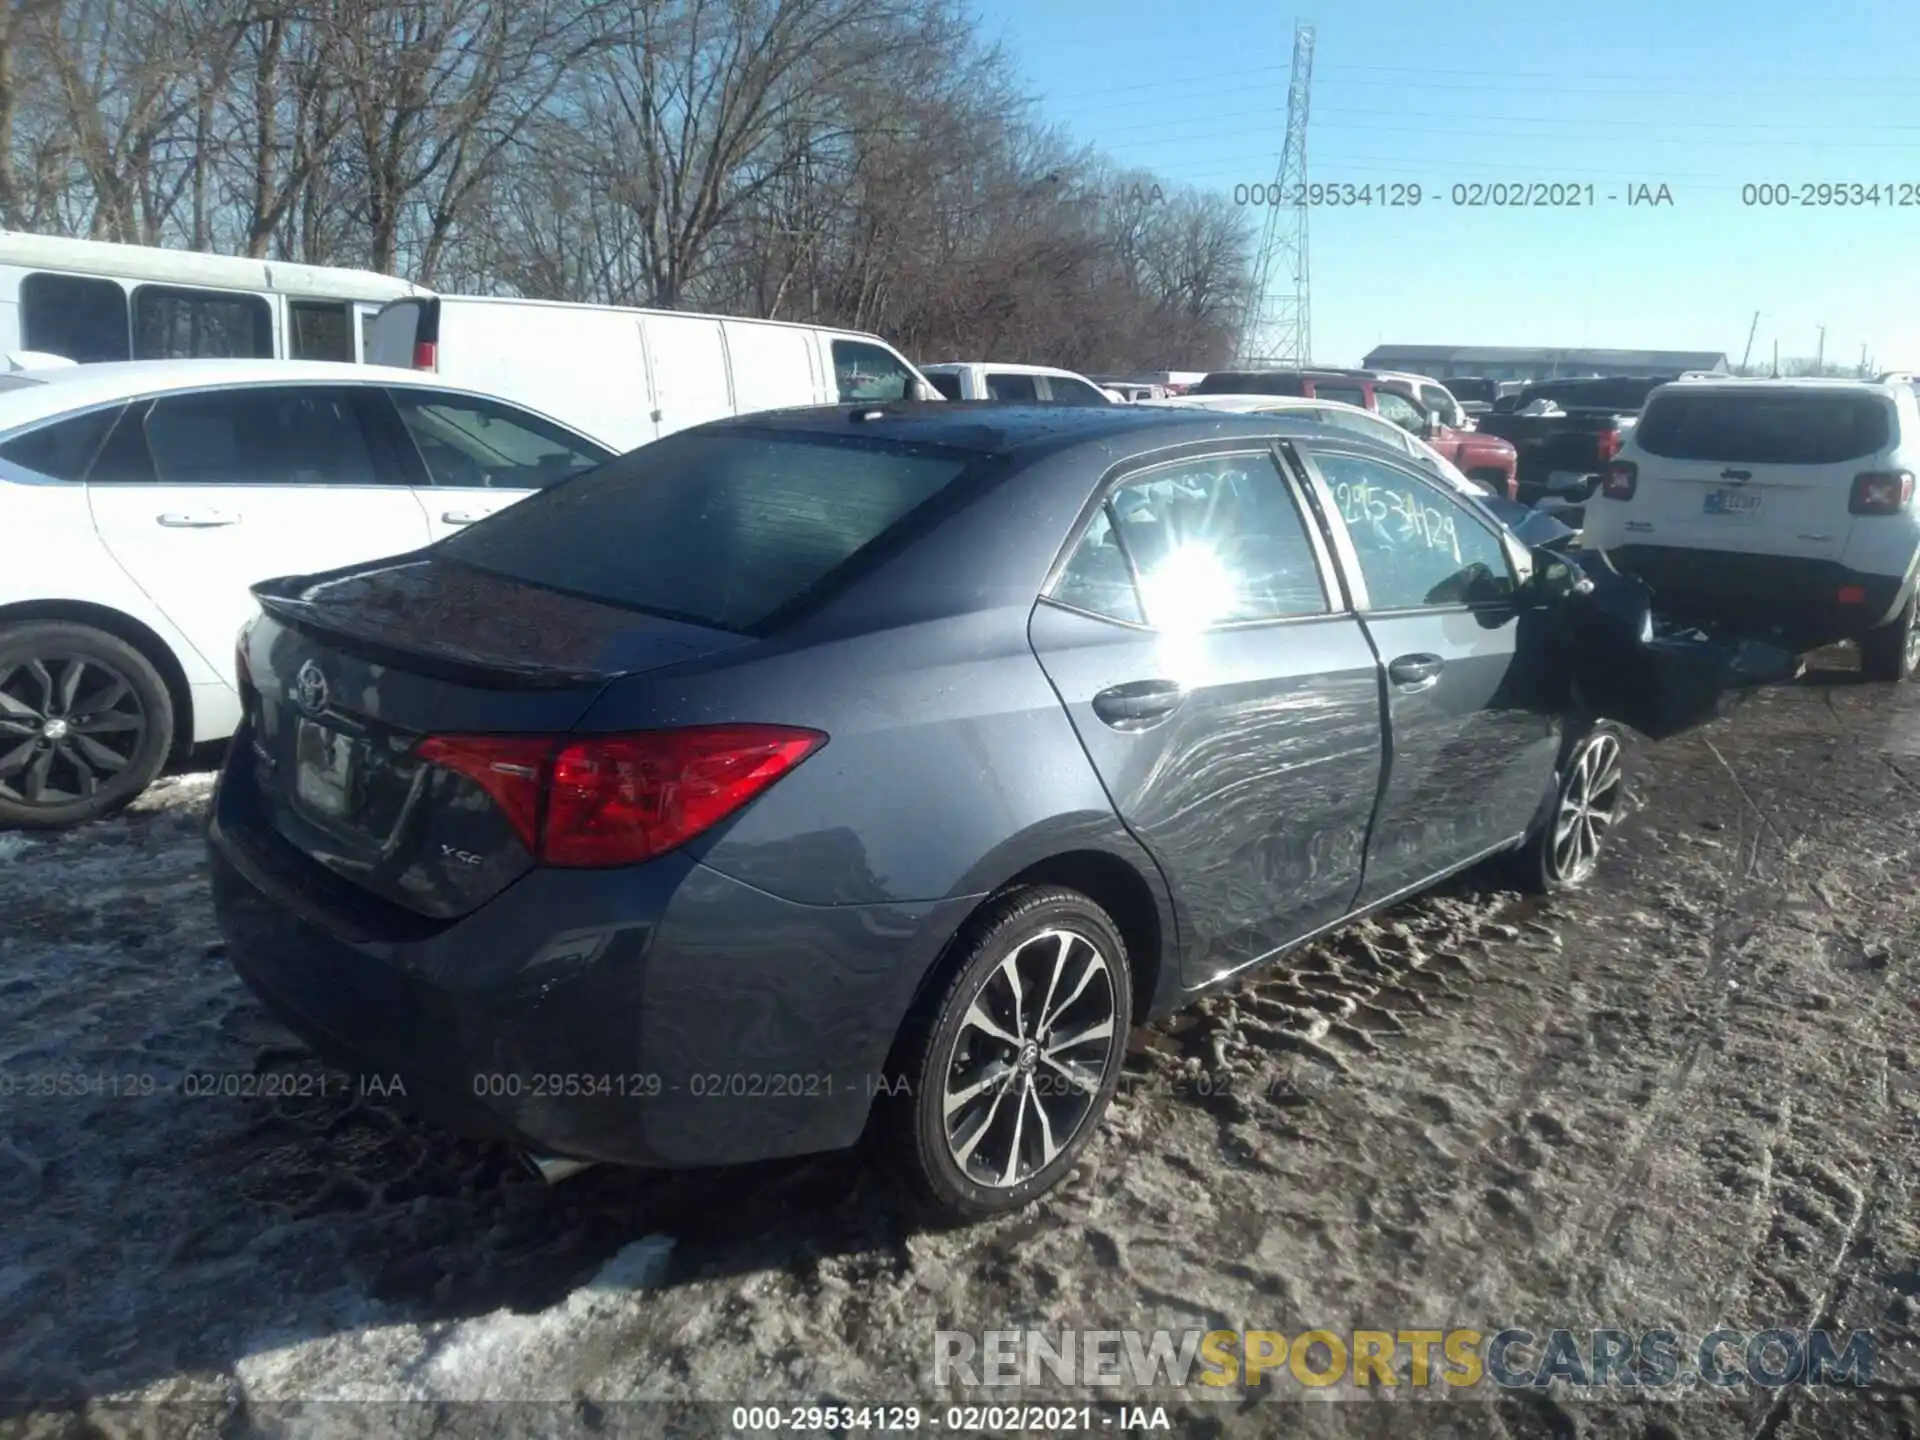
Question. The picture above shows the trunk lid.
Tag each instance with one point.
(346, 675)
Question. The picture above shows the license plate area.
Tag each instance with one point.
(324, 771)
(1732, 502)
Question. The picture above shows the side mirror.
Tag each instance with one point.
(1431, 425)
(1556, 579)
(923, 390)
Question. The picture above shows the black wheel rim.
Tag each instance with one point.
(69, 728)
(1589, 804)
(1033, 1052)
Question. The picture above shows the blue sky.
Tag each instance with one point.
(1701, 97)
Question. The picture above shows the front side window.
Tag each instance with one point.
(270, 435)
(1012, 387)
(1399, 410)
(475, 443)
(82, 318)
(1438, 402)
(1068, 391)
(1418, 547)
(947, 384)
(865, 372)
(176, 324)
(1213, 541)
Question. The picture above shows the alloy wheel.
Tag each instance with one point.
(1589, 804)
(1033, 1049)
(68, 727)
(1912, 647)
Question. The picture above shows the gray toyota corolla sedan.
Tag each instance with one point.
(835, 769)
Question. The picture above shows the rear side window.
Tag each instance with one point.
(72, 315)
(1345, 394)
(64, 449)
(272, 435)
(467, 441)
(1215, 541)
(322, 330)
(1777, 427)
(720, 529)
(1012, 387)
(171, 324)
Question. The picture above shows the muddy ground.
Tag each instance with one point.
(1684, 1097)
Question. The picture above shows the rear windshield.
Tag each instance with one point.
(1777, 427)
(1249, 382)
(719, 529)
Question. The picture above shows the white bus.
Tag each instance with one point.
(629, 376)
(87, 300)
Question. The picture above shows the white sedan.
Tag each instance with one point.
(141, 500)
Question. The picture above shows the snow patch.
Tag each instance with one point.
(502, 1356)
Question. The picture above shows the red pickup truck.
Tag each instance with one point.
(1486, 458)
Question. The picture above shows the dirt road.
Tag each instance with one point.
(1685, 1097)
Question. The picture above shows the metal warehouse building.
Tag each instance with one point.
(1498, 363)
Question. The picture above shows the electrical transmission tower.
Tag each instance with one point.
(1276, 331)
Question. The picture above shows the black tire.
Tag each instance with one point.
(980, 1161)
(85, 724)
(1891, 652)
(1584, 807)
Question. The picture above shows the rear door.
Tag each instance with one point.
(477, 455)
(1757, 470)
(397, 328)
(200, 495)
(1225, 695)
(688, 358)
(774, 366)
(1470, 749)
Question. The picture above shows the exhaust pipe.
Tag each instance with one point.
(552, 1168)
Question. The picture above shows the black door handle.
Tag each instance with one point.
(1731, 474)
(1138, 703)
(1415, 669)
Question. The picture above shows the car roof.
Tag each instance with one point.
(31, 395)
(1231, 404)
(1028, 431)
(1746, 385)
(1009, 367)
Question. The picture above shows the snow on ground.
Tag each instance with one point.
(1678, 1097)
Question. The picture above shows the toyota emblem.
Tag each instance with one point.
(310, 689)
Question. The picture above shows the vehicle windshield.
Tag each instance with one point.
(722, 529)
(1764, 427)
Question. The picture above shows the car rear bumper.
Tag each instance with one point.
(662, 1015)
(1798, 599)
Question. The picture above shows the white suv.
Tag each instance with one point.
(1781, 507)
(141, 500)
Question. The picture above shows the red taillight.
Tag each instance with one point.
(1886, 492)
(1609, 445)
(425, 356)
(1621, 479)
(1852, 594)
(621, 799)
